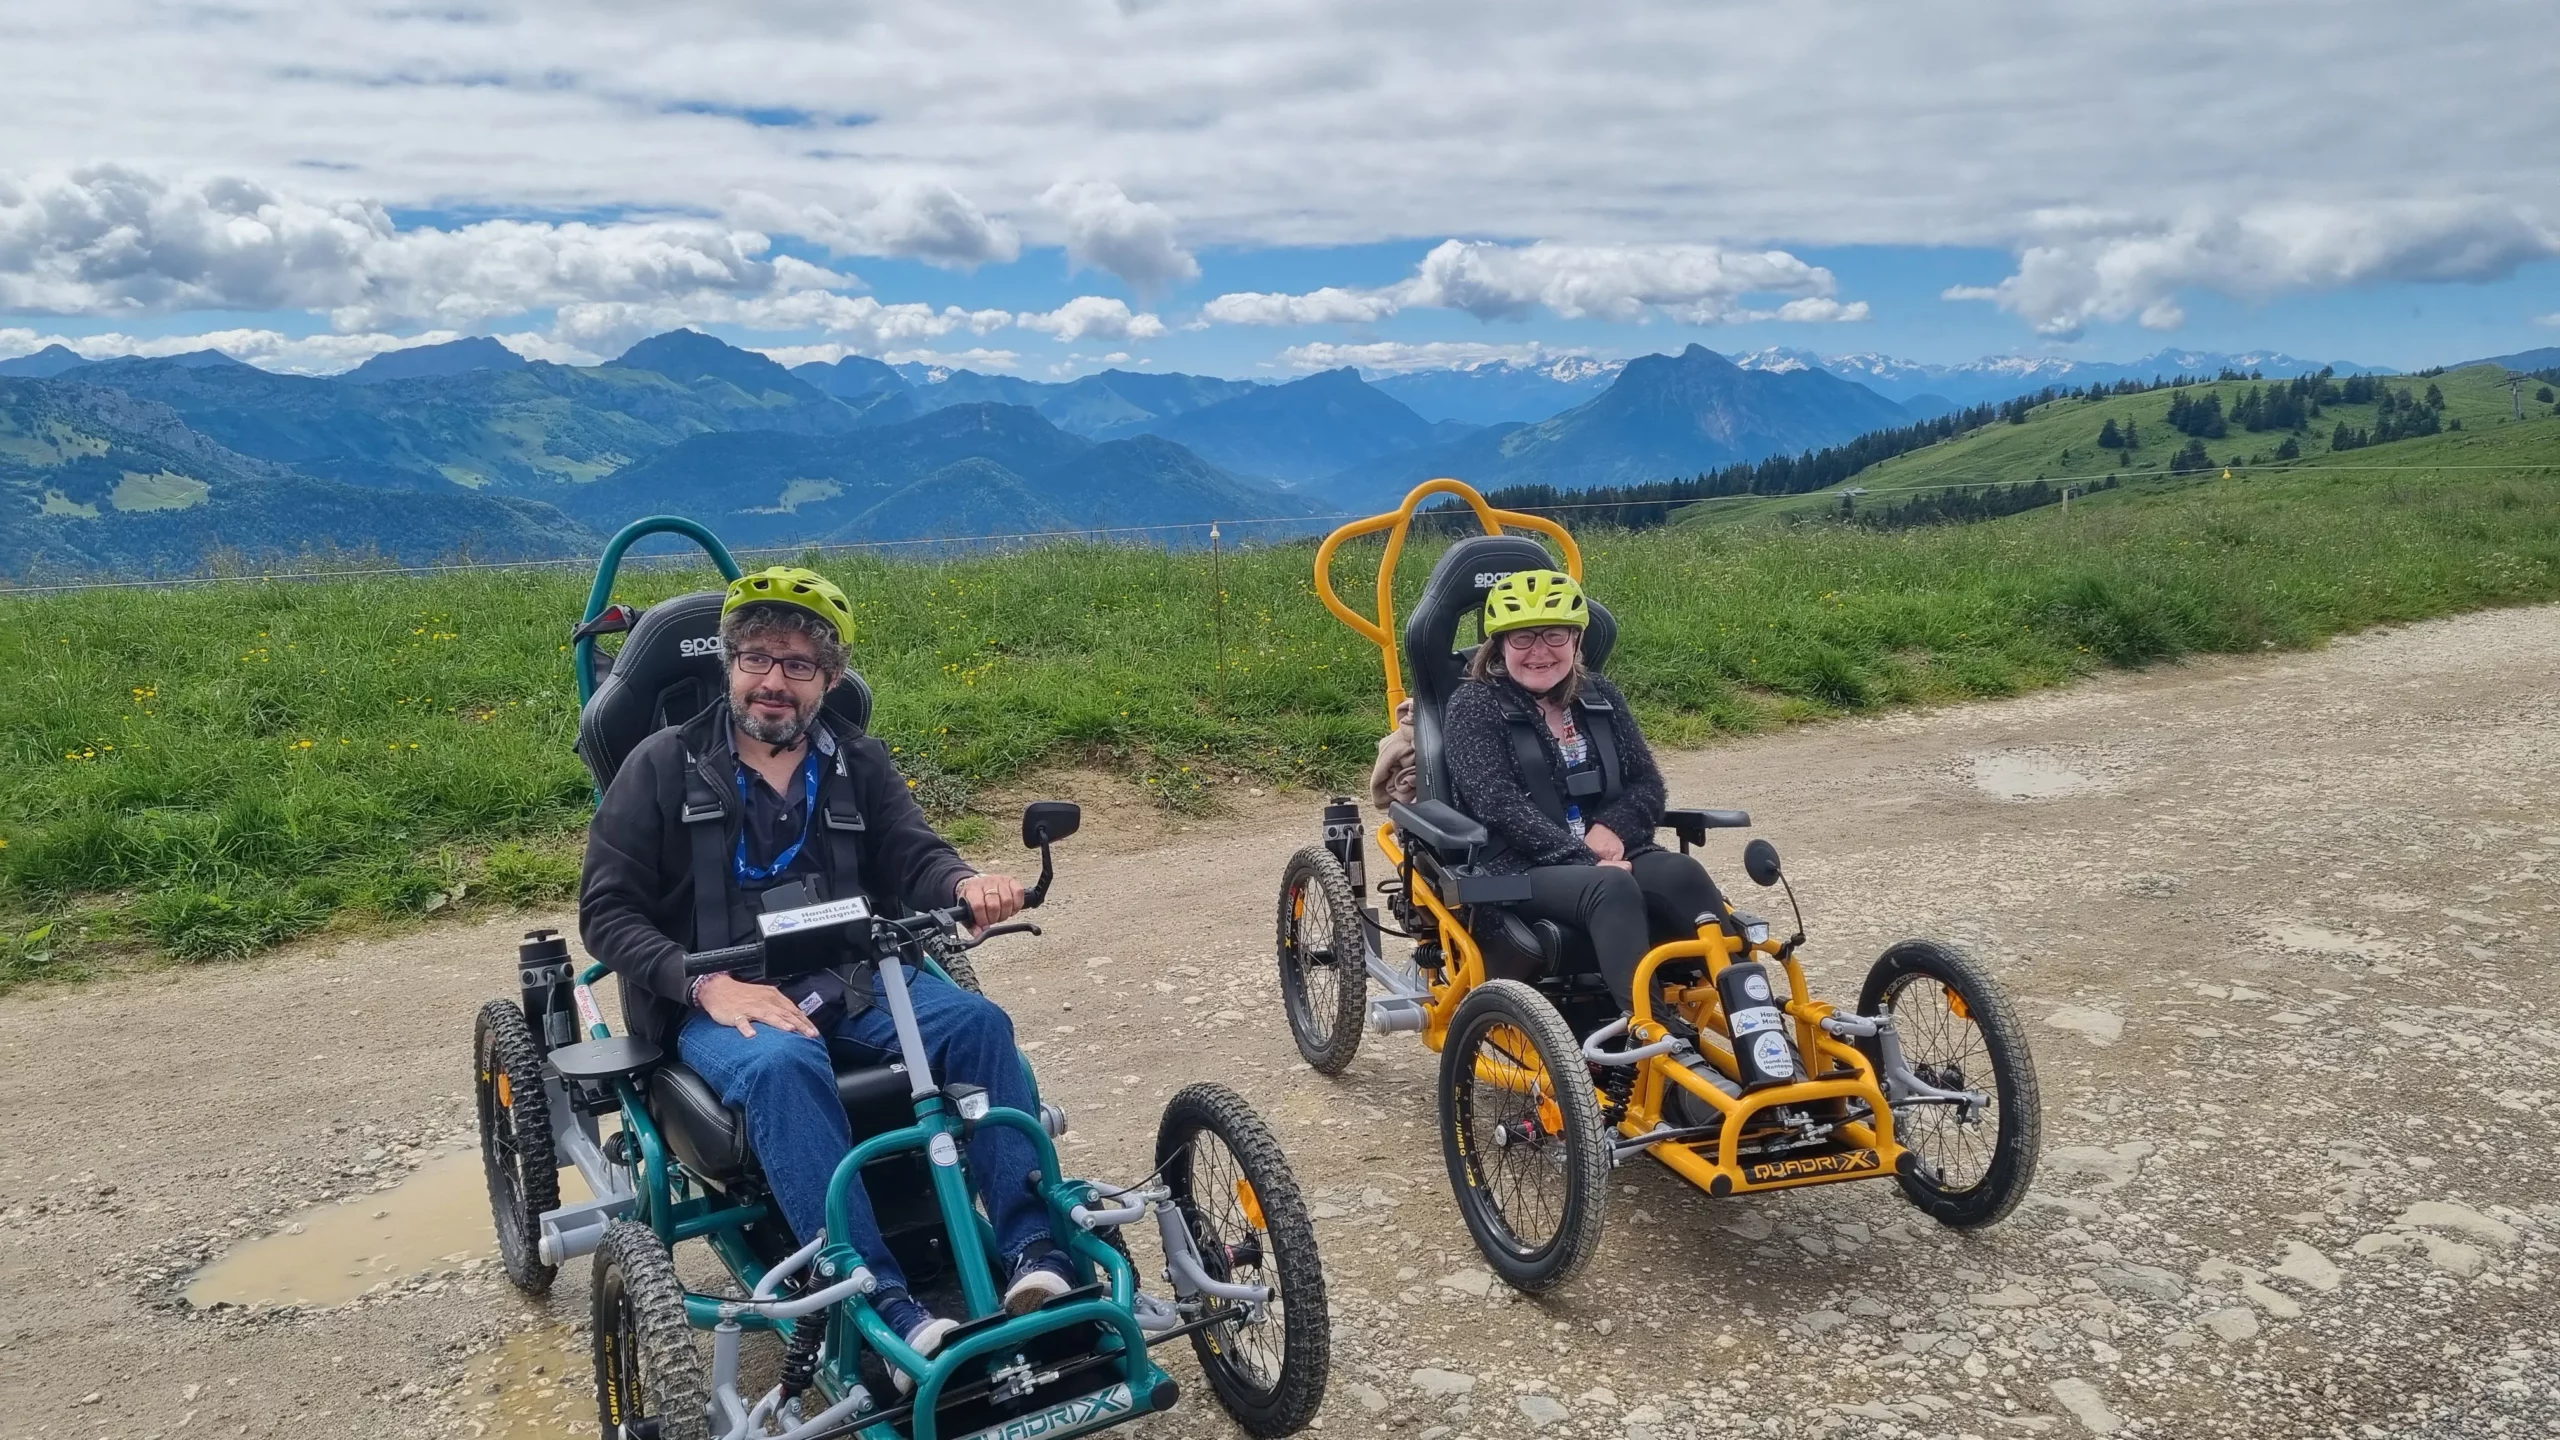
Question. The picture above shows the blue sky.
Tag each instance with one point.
(1255, 188)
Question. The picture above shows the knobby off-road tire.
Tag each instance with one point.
(515, 1140)
(1955, 1021)
(1224, 1165)
(647, 1370)
(962, 972)
(1323, 953)
(1534, 1191)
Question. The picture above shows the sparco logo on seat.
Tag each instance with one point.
(1487, 579)
(700, 645)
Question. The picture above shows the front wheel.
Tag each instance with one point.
(1520, 1126)
(1234, 1189)
(1959, 1032)
(648, 1374)
(515, 1140)
(1324, 959)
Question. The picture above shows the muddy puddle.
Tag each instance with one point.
(2027, 775)
(536, 1385)
(436, 1219)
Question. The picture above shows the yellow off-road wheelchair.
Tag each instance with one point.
(1728, 1071)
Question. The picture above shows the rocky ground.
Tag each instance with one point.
(2283, 929)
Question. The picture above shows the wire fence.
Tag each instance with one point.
(1110, 533)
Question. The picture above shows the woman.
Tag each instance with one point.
(1547, 756)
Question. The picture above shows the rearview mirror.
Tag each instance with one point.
(1760, 862)
(1045, 822)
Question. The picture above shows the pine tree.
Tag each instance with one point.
(2109, 438)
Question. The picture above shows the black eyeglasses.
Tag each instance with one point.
(756, 662)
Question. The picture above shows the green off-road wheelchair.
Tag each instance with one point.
(1238, 1251)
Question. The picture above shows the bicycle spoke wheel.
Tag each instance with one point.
(1268, 1362)
(1958, 1032)
(1520, 1127)
(1323, 954)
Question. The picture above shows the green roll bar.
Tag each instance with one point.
(600, 595)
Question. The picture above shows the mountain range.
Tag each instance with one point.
(1932, 389)
(1662, 416)
(160, 463)
(94, 481)
(1501, 390)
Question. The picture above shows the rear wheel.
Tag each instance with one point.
(1324, 971)
(648, 1374)
(1959, 1032)
(1528, 1154)
(1234, 1188)
(515, 1140)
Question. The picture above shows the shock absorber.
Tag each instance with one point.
(1616, 1084)
(800, 1361)
(546, 972)
(1342, 837)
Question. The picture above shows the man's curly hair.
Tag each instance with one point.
(744, 625)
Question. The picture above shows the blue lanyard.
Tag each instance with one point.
(749, 874)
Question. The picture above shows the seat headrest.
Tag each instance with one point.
(1434, 661)
(1434, 656)
(667, 672)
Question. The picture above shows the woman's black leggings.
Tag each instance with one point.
(1625, 912)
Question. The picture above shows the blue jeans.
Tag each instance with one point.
(786, 1084)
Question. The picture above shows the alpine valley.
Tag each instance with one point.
(171, 464)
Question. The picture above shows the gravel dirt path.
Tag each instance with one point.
(2283, 929)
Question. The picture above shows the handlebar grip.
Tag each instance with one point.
(710, 962)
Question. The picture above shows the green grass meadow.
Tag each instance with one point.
(2059, 442)
(204, 771)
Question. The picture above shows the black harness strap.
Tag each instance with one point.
(1594, 716)
(706, 817)
(843, 822)
(1599, 722)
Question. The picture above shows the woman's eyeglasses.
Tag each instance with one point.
(1554, 637)
(756, 662)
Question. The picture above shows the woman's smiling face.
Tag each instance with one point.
(1541, 658)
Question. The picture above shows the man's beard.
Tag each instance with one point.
(780, 734)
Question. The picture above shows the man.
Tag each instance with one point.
(801, 797)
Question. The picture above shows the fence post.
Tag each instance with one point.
(1218, 610)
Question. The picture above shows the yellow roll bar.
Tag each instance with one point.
(1381, 631)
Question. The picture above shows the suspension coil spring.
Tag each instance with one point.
(1616, 1084)
(800, 1362)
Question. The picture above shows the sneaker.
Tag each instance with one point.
(923, 1331)
(1040, 1275)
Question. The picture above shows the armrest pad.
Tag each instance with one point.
(1692, 825)
(1433, 822)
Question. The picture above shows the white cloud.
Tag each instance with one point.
(1392, 357)
(1106, 230)
(917, 219)
(1694, 284)
(2551, 319)
(1322, 122)
(971, 359)
(1093, 316)
(1328, 306)
(324, 354)
(2093, 267)
(1243, 123)
(108, 240)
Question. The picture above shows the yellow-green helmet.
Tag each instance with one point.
(1525, 599)
(790, 585)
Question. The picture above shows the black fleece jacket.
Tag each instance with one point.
(635, 902)
(1485, 772)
